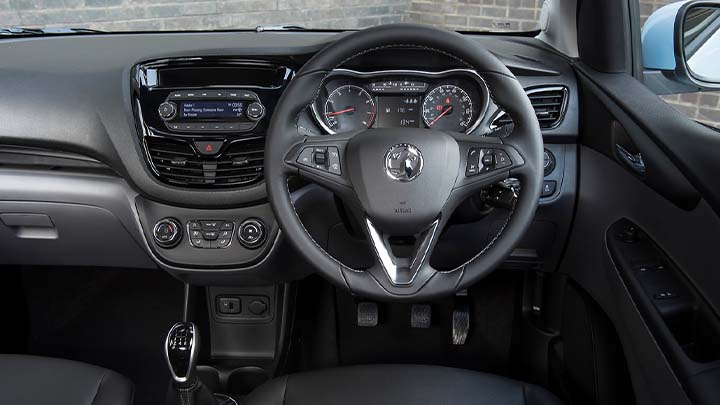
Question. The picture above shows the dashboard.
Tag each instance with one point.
(452, 100)
(142, 152)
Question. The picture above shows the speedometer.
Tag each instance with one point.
(448, 107)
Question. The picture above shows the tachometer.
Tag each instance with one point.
(349, 108)
(448, 107)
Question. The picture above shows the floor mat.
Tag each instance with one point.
(116, 319)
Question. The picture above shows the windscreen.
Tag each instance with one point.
(181, 15)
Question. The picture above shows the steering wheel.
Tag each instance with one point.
(405, 181)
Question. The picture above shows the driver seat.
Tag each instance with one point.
(398, 385)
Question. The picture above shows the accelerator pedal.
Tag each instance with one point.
(461, 319)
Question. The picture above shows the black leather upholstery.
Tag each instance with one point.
(30, 380)
(398, 385)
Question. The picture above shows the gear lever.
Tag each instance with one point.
(181, 351)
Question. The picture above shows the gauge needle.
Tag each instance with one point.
(445, 111)
(331, 114)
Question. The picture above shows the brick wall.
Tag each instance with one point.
(495, 15)
(124, 15)
(118, 15)
(129, 15)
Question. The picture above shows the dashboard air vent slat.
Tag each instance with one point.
(241, 163)
(549, 104)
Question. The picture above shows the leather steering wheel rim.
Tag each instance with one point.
(524, 145)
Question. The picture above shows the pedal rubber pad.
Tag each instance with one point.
(367, 314)
(421, 316)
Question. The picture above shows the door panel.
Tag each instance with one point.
(675, 202)
(692, 147)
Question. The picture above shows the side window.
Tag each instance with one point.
(701, 106)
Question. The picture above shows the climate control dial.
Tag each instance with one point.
(251, 233)
(167, 232)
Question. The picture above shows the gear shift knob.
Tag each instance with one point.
(181, 351)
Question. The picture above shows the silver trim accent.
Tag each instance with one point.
(227, 400)
(388, 262)
(533, 90)
(349, 72)
(411, 149)
(193, 352)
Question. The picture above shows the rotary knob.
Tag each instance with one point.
(167, 110)
(167, 232)
(548, 162)
(255, 111)
(251, 233)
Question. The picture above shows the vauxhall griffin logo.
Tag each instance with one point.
(403, 162)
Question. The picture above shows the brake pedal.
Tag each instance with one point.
(460, 319)
(367, 314)
(421, 316)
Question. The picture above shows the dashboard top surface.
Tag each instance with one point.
(74, 93)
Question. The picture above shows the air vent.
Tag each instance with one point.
(549, 104)
(240, 164)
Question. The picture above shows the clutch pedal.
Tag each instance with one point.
(367, 314)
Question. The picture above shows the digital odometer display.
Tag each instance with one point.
(208, 110)
(398, 112)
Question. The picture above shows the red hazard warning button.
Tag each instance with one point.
(208, 147)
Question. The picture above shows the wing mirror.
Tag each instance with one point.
(681, 43)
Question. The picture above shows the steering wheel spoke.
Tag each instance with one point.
(402, 270)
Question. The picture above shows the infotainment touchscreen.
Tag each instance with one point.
(208, 110)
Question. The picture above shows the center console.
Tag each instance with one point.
(207, 240)
(201, 124)
(202, 121)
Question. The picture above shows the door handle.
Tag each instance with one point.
(634, 161)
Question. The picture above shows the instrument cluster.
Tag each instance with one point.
(453, 100)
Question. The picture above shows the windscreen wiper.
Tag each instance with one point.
(262, 28)
(22, 31)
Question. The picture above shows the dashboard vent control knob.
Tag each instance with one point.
(251, 233)
(167, 110)
(255, 111)
(167, 232)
